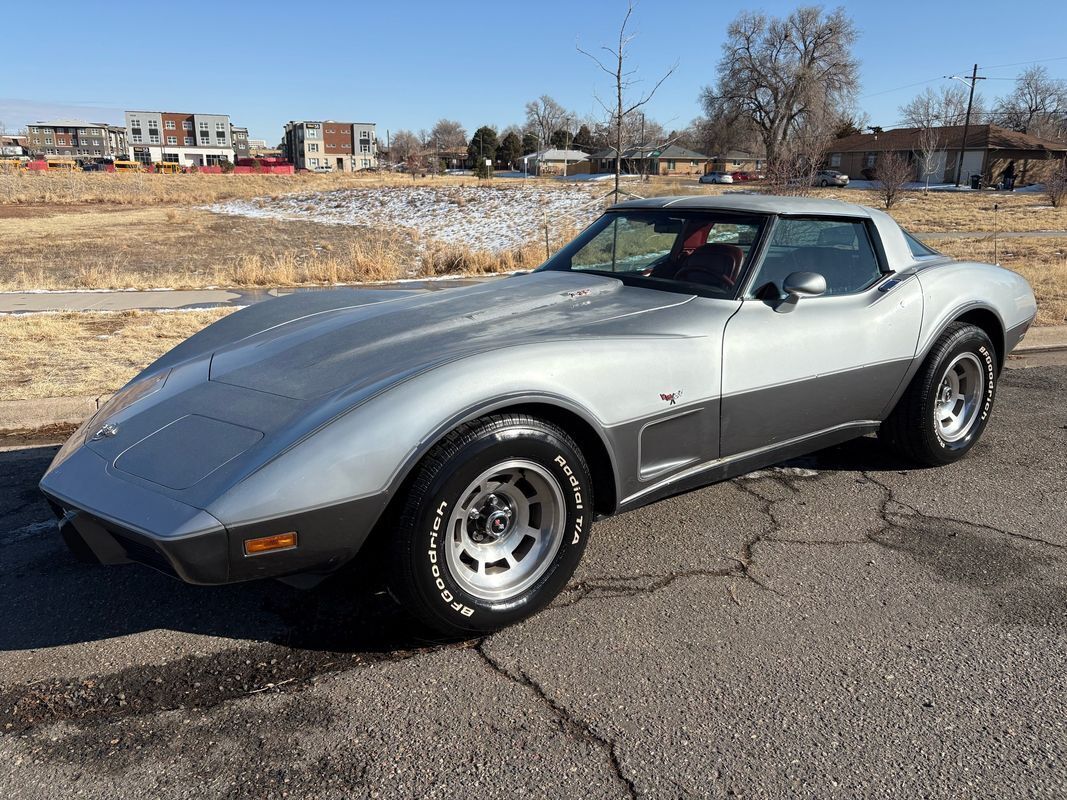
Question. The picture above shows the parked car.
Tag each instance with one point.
(320, 169)
(471, 436)
(829, 177)
(716, 177)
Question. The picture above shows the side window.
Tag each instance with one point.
(627, 245)
(838, 249)
(918, 249)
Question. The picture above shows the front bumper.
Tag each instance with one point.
(107, 518)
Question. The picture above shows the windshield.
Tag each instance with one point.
(666, 248)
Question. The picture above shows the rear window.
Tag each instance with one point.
(918, 249)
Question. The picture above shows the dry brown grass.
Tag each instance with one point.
(68, 355)
(1043, 262)
(140, 189)
(183, 248)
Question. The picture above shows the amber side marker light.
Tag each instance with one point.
(266, 544)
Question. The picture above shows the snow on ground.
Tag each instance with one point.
(480, 217)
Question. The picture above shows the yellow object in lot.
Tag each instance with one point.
(11, 165)
(168, 167)
(128, 166)
(63, 165)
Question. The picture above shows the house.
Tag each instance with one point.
(649, 160)
(190, 140)
(554, 161)
(14, 146)
(987, 152)
(77, 140)
(737, 161)
(241, 144)
(340, 146)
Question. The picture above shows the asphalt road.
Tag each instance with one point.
(845, 626)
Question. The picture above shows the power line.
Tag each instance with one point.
(1021, 63)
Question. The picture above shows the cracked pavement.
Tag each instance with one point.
(841, 626)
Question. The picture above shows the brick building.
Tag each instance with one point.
(339, 146)
(201, 140)
(77, 139)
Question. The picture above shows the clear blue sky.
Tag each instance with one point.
(406, 64)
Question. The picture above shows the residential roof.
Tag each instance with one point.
(555, 154)
(979, 137)
(740, 155)
(71, 123)
(671, 151)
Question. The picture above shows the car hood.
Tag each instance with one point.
(355, 348)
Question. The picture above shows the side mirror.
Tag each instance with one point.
(804, 284)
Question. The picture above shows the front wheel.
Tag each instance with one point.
(494, 524)
(947, 404)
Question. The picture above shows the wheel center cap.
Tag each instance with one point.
(492, 521)
(946, 394)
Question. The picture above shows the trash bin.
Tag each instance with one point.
(976, 181)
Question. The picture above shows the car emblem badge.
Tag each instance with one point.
(671, 398)
(106, 431)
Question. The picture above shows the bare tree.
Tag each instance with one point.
(624, 82)
(545, 116)
(1037, 105)
(448, 134)
(894, 171)
(944, 106)
(780, 72)
(930, 152)
(798, 161)
(402, 145)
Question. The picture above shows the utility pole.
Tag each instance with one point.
(967, 120)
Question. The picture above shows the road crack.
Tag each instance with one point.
(569, 724)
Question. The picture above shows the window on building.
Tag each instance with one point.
(364, 134)
(366, 163)
(172, 140)
(364, 148)
(187, 125)
(313, 133)
(220, 126)
(153, 138)
(203, 126)
(313, 162)
(169, 125)
(870, 159)
(835, 159)
(188, 141)
(135, 123)
(136, 138)
(48, 140)
(670, 164)
(313, 148)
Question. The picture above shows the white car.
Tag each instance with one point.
(717, 177)
(319, 169)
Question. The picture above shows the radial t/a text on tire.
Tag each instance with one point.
(493, 525)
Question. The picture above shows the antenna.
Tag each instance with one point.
(995, 259)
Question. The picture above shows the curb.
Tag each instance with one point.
(31, 415)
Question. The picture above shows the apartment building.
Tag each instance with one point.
(192, 140)
(242, 145)
(340, 146)
(77, 139)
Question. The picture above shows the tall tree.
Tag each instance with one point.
(1037, 105)
(583, 139)
(510, 149)
(946, 105)
(624, 105)
(561, 138)
(402, 145)
(785, 74)
(545, 116)
(448, 134)
(531, 142)
(482, 146)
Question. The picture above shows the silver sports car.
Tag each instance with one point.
(473, 435)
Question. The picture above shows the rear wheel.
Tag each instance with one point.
(494, 524)
(947, 404)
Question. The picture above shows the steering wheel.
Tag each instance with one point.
(704, 276)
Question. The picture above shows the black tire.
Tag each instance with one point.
(913, 428)
(824, 183)
(421, 563)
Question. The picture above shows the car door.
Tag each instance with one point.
(795, 367)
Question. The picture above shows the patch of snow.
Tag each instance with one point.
(480, 217)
